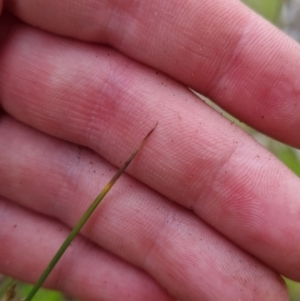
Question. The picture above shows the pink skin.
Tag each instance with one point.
(219, 48)
(29, 240)
(210, 213)
(187, 257)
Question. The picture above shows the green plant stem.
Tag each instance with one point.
(83, 220)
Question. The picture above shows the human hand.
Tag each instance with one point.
(210, 213)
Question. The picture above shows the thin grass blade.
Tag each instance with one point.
(83, 220)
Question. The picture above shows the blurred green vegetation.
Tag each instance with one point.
(23, 290)
(270, 9)
(43, 294)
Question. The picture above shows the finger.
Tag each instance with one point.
(219, 48)
(95, 97)
(29, 240)
(189, 259)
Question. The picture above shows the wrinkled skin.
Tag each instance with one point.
(204, 212)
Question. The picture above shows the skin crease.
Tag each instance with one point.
(219, 215)
(112, 276)
(140, 239)
(241, 61)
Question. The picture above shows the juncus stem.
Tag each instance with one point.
(83, 220)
